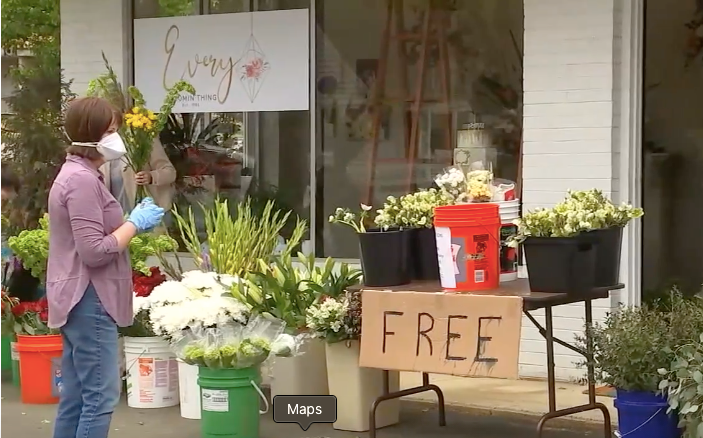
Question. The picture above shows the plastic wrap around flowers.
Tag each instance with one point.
(231, 345)
(475, 185)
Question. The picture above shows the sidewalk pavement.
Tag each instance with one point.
(527, 397)
(418, 420)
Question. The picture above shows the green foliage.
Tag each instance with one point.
(32, 135)
(147, 245)
(236, 242)
(633, 343)
(286, 290)
(27, 24)
(683, 384)
(32, 247)
(108, 87)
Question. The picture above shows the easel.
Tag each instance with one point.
(435, 21)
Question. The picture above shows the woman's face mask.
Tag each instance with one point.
(111, 146)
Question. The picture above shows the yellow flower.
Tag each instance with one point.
(137, 124)
(151, 115)
(135, 110)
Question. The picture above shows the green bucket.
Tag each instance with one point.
(230, 402)
(6, 354)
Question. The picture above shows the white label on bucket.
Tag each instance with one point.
(445, 257)
(215, 400)
(13, 351)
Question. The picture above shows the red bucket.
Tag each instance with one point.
(40, 368)
(468, 246)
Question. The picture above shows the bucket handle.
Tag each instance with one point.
(263, 397)
(619, 435)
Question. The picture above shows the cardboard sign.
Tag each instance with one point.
(443, 333)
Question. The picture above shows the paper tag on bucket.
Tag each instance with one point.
(445, 257)
(215, 400)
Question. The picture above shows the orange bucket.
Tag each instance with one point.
(40, 364)
(468, 246)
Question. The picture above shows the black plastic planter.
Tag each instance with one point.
(423, 254)
(608, 248)
(384, 257)
(560, 264)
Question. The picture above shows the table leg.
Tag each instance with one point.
(592, 405)
(387, 395)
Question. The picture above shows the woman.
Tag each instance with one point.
(159, 177)
(89, 286)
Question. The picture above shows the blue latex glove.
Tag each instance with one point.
(146, 215)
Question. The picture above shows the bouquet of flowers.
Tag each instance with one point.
(580, 212)
(230, 345)
(473, 186)
(199, 300)
(336, 319)
(144, 284)
(31, 318)
(415, 210)
(141, 126)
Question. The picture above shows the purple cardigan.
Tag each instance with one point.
(82, 216)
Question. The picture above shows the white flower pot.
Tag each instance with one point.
(301, 375)
(152, 373)
(356, 389)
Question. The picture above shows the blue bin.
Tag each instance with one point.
(643, 415)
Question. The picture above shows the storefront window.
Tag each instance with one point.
(368, 70)
(262, 155)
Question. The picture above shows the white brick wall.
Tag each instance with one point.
(568, 135)
(89, 27)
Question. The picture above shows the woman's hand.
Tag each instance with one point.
(146, 215)
(143, 178)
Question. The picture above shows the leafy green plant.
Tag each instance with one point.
(287, 290)
(414, 210)
(236, 243)
(683, 385)
(32, 247)
(634, 343)
(147, 245)
(280, 290)
(580, 212)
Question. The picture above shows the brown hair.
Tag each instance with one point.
(87, 120)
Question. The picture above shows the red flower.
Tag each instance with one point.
(144, 284)
(44, 315)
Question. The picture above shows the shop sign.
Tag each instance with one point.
(444, 333)
(237, 62)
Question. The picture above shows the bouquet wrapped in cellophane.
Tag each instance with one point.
(234, 345)
(141, 126)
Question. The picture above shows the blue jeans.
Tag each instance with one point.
(89, 371)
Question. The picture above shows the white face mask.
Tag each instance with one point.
(111, 146)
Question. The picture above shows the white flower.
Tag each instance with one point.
(365, 207)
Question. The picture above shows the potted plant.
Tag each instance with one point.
(575, 245)
(337, 320)
(415, 212)
(631, 346)
(683, 385)
(384, 252)
(286, 291)
(217, 334)
(40, 348)
(196, 301)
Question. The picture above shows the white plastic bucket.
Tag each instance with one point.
(509, 211)
(152, 373)
(189, 390)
